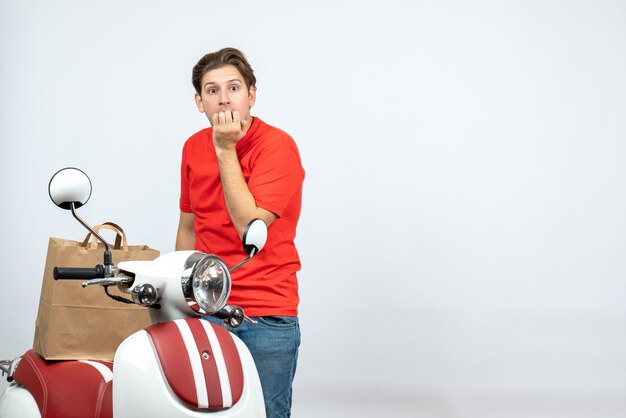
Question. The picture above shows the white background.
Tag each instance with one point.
(462, 234)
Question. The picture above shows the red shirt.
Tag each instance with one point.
(271, 166)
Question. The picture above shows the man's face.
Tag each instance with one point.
(224, 89)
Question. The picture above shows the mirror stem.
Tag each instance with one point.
(108, 261)
(243, 262)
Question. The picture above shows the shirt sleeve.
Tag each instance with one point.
(276, 176)
(185, 202)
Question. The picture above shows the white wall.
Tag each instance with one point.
(463, 229)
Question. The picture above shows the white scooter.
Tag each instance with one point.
(181, 366)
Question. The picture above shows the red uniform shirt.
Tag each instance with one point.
(271, 166)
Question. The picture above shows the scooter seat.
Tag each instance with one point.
(67, 389)
(200, 362)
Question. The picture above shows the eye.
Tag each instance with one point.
(234, 88)
(211, 91)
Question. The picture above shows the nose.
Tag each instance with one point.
(224, 98)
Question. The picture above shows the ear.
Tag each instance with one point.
(199, 104)
(251, 95)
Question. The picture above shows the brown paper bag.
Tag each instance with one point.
(76, 323)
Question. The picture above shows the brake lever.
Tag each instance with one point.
(108, 281)
(250, 320)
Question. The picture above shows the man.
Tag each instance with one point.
(240, 169)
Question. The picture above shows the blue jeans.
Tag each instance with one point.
(274, 346)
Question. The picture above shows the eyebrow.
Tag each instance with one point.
(229, 81)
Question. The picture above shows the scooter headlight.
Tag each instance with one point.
(206, 283)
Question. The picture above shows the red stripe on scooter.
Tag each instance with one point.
(174, 361)
(209, 367)
(232, 360)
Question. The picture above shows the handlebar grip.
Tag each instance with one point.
(78, 273)
(221, 314)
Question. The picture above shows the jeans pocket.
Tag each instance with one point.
(282, 322)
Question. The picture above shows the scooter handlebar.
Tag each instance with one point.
(78, 273)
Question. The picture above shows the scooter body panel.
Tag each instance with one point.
(140, 387)
(163, 273)
(16, 401)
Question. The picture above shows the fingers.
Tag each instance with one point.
(226, 118)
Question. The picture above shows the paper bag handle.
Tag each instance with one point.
(121, 242)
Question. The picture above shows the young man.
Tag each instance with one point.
(237, 170)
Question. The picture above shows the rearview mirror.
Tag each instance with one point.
(69, 185)
(70, 188)
(255, 236)
(253, 239)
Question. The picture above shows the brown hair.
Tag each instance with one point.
(221, 58)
